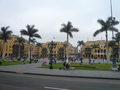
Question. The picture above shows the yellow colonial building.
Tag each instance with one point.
(89, 52)
(44, 51)
(58, 51)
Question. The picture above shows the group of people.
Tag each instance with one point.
(44, 63)
(66, 66)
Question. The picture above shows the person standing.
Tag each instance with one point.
(118, 68)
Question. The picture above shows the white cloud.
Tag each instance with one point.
(48, 15)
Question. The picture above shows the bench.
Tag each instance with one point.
(114, 69)
(72, 68)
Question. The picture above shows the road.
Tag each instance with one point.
(12, 81)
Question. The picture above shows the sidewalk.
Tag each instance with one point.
(33, 69)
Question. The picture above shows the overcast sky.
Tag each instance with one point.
(48, 15)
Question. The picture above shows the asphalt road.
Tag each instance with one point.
(12, 81)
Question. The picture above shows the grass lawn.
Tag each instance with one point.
(8, 63)
(84, 66)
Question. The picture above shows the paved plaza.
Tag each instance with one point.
(33, 69)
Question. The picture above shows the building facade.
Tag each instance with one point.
(89, 52)
(58, 51)
(12, 49)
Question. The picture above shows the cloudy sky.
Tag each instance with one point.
(48, 15)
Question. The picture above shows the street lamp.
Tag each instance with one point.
(51, 45)
(114, 67)
(111, 21)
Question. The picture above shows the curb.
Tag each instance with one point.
(72, 76)
(18, 72)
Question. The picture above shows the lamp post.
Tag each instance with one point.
(51, 45)
(114, 67)
(111, 21)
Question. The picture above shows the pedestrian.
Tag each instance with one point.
(81, 60)
(24, 62)
(67, 66)
(89, 60)
(103, 59)
(118, 68)
(64, 64)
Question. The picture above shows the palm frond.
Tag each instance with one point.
(97, 32)
(74, 30)
(95, 46)
(70, 34)
(63, 30)
(39, 44)
(24, 32)
(101, 22)
(113, 29)
(5, 33)
(33, 40)
(37, 36)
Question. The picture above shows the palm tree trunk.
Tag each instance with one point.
(39, 51)
(29, 49)
(3, 52)
(118, 51)
(107, 51)
(19, 52)
(80, 51)
(29, 52)
(67, 49)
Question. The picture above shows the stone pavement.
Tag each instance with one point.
(34, 70)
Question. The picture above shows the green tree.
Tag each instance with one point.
(117, 40)
(20, 41)
(80, 43)
(39, 45)
(5, 35)
(31, 32)
(94, 46)
(105, 27)
(68, 29)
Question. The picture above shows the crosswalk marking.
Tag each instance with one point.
(56, 88)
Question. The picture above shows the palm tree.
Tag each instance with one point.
(30, 32)
(68, 29)
(105, 27)
(117, 40)
(39, 45)
(80, 43)
(94, 46)
(20, 40)
(5, 35)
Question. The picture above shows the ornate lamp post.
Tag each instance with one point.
(114, 67)
(111, 21)
(51, 45)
